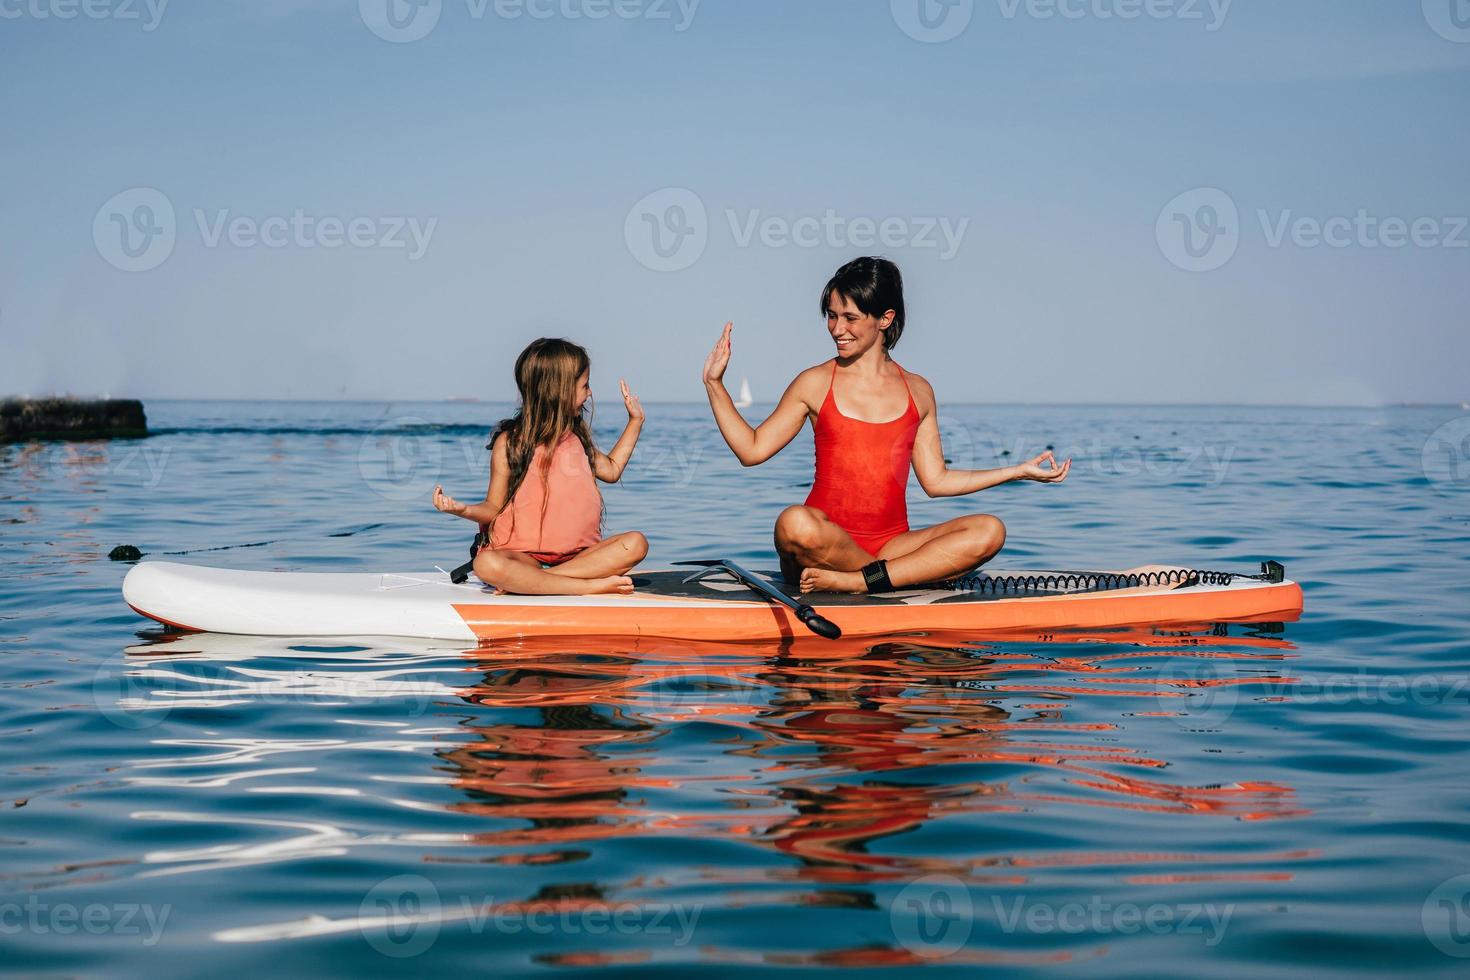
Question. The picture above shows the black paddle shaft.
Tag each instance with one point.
(461, 574)
(809, 617)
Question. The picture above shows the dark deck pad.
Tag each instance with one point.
(672, 584)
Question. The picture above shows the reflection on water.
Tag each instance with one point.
(820, 763)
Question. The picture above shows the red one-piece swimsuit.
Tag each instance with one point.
(863, 472)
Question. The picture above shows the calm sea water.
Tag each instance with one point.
(1281, 800)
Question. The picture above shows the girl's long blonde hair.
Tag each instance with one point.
(546, 377)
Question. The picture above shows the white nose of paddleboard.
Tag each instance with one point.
(218, 600)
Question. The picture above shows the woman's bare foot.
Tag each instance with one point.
(826, 580)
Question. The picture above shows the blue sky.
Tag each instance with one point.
(1092, 200)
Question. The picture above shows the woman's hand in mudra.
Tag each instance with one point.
(1033, 470)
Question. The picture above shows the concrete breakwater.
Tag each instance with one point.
(71, 418)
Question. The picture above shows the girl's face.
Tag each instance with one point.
(854, 331)
(584, 389)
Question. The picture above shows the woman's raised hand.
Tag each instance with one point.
(631, 403)
(447, 504)
(1033, 470)
(719, 358)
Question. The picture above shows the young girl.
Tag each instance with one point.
(543, 511)
(871, 421)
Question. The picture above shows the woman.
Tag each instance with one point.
(871, 421)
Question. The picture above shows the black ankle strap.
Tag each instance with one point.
(876, 575)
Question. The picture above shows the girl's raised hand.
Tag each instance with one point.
(447, 504)
(1033, 470)
(719, 358)
(631, 403)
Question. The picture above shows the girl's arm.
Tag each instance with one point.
(938, 480)
(752, 446)
(610, 467)
(486, 512)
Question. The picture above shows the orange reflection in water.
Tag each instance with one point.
(851, 743)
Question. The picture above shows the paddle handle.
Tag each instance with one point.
(817, 623)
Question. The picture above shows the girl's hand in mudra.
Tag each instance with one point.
(447, 504)
(1033, 470)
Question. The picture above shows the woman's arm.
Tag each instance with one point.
(938, 480)
(610, 467)
(752, 446)
(495, 495)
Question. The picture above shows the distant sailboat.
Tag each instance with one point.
(746, 399)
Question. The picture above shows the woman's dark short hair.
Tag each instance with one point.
(873, 285)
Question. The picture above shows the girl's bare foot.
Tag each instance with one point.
(611, 585)
(826, 580)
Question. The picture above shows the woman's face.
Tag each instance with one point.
(584, 389)
(854, 331)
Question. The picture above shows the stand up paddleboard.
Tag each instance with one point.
(701, 606)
